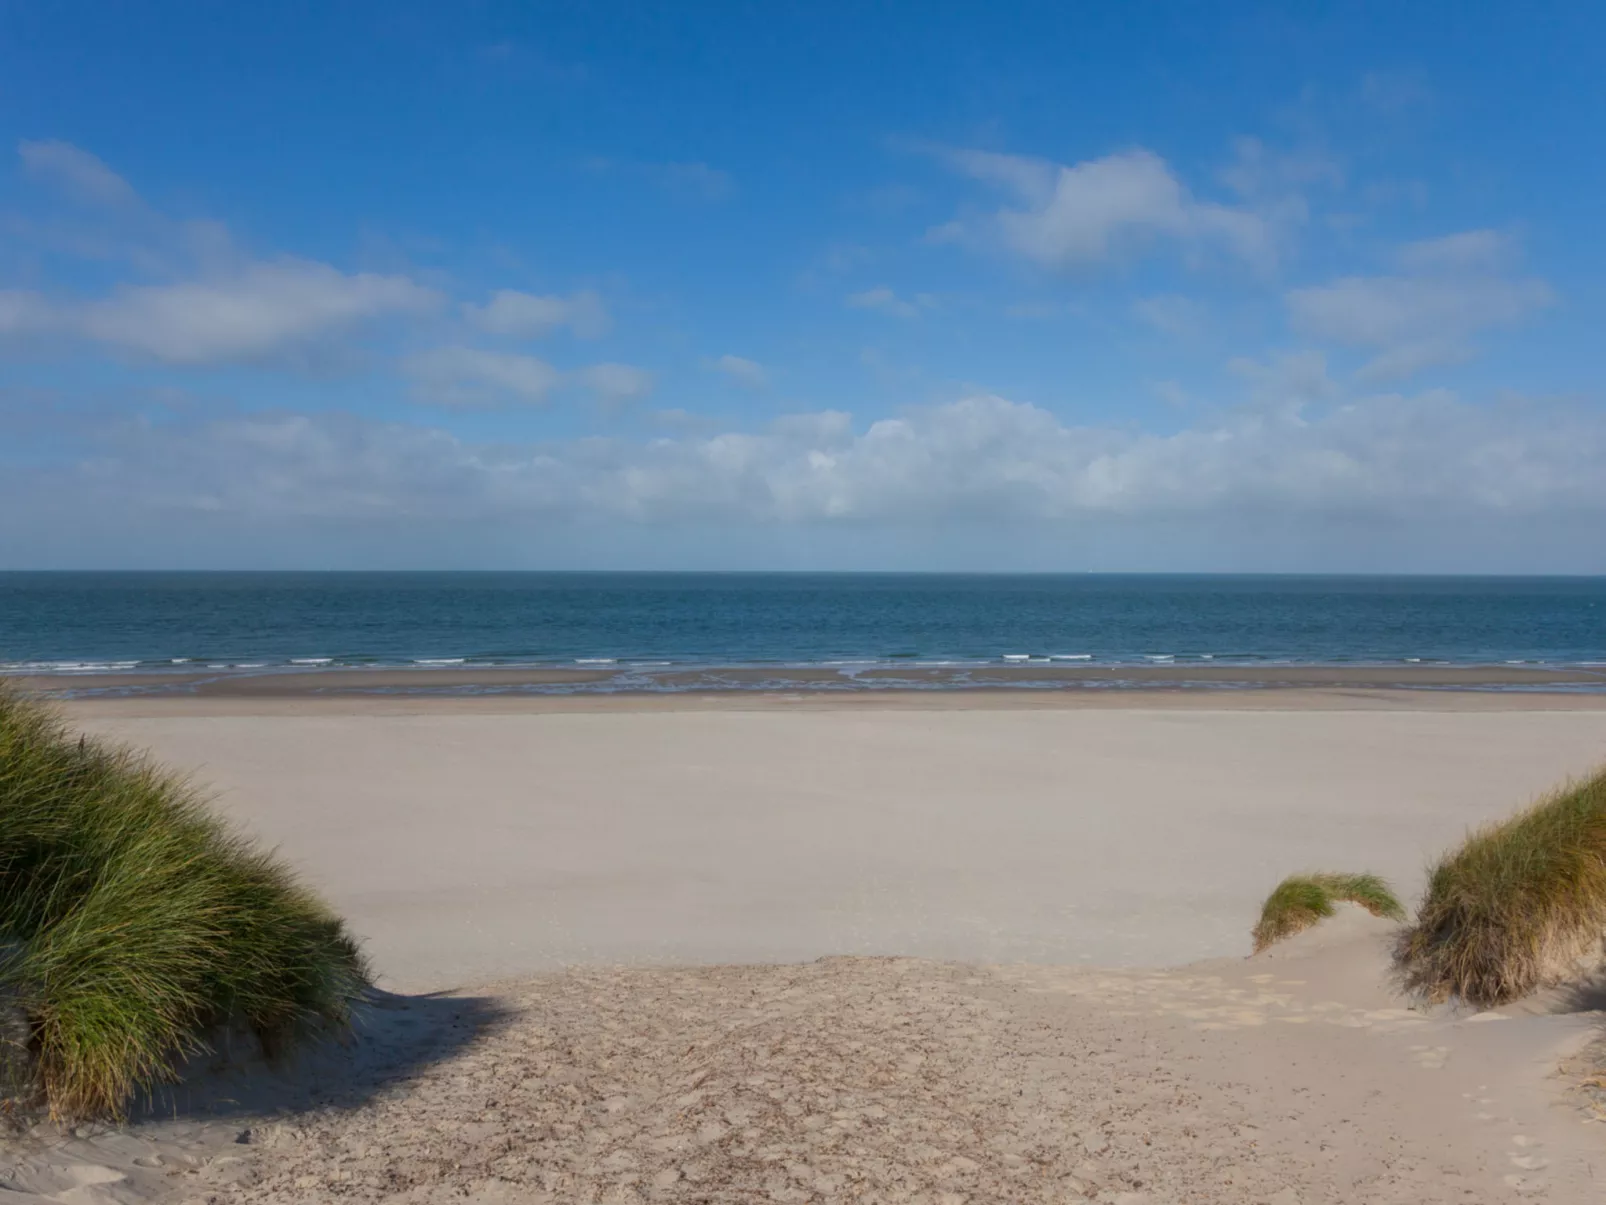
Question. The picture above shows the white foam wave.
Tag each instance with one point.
(1160, 657)
(439, 660)
(596, 661)
(310, 660)
(1070, 656)
(70, 667)
(1017, 656)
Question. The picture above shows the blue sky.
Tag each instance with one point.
(1183, 286)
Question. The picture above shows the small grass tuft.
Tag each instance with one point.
(1520, 906)
(133, 923)
(1301, 900)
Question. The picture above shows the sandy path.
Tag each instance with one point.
(468, 847)
(1273, 1081)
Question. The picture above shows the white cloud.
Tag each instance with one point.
(471, 378)
(76, 171)
(882, 300)
(1271, 177)
(1451, 289)
(260, 310)
(1471, 250)
(616, 384)
(1071, 216)
(1386, 459)
(526, 315)
(743, 371)
(215, 304)
(1286, 383)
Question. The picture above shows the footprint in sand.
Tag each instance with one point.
(1530, 1160)
(1430, 1058)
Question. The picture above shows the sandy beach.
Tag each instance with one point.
(707, 951)
(470, 846)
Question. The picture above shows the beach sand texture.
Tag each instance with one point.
(644, 912)
(469, 847)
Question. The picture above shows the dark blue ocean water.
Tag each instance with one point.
(79, 621)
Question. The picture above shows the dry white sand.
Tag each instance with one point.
(1026, 846)
(468, 847)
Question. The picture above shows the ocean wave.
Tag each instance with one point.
(68, 667)
(596, 661)
(439, 660)
(312, 660)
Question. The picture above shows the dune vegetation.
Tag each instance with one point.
(134, 923)
(1519, 906)
(1301, 900)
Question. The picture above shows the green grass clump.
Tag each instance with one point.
(1301, 900)
(133, 923)
(1520, 905)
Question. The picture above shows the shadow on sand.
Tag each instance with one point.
(394, 1039)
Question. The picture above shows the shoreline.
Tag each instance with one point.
(936, 702)
(1060, 682)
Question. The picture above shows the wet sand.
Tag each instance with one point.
(1070, 679)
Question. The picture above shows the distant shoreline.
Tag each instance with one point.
(818, 682)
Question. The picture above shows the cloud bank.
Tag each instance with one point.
(1387, 459)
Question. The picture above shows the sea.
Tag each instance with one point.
(628, 623)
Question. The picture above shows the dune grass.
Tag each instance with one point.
(1519, 906)
(1301, 900)
(133, 923)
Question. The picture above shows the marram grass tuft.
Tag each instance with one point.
(1520, 906)
(1301, 900)
(133, 923)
